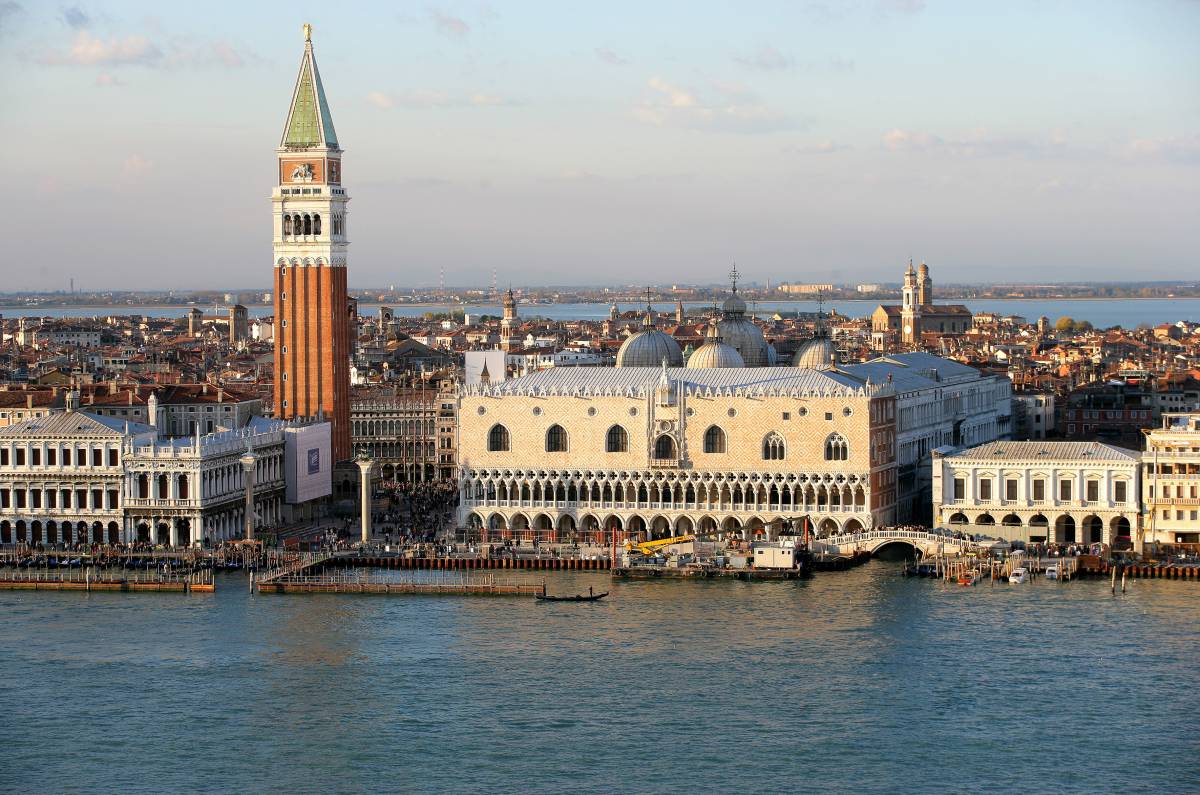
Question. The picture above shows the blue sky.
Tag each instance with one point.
(612, 142)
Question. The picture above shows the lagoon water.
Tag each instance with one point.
(1102, 313)
(851, 682)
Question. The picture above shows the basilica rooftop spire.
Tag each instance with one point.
(309, 123)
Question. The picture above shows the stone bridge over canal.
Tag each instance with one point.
(924, 542)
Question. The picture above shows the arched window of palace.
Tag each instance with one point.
(714, 440)
(773, 447)
(617, 440)
(836, 447)
(498, 440)
(556, 439)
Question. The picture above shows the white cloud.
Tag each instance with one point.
(136, 50)
(89, 50)
(1181, 149)
(766, 58)
(75, 17)
(905, 7)
(976, 143)
(448, 25)
(380, 99)
(421, 99)
(9, 10)
(723, 107)
(822, 147)
(104, 79)
(610, 57)
(135, 167)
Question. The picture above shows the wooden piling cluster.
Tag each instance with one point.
(474, 564)
(360, 583)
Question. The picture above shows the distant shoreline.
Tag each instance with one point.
(118, 308)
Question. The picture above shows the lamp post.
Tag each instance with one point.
(365, 463)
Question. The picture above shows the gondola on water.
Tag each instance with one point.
(590, 596)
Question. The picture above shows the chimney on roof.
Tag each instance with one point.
(112, 387)
(220, 395)
(28, 400)
(204, 388)
(72, 400)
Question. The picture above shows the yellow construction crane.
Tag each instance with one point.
(648, 548)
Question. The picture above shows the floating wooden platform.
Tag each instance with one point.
(88, 580)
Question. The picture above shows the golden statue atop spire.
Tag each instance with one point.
(307, 33)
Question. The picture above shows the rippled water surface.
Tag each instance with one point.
(854, 682)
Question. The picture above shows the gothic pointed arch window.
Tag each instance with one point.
(317, 224)
(773, 447)
(498, 439)
(714, 440)
(617, 440)
(556, 439)
(836, 447)
(664, 447)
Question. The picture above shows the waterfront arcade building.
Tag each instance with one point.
(656, 451)
(79, 477)
(1039, 491)
(1170, 480)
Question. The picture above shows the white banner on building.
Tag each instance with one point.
(308, 457)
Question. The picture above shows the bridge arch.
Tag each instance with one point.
(907, 547)
(852, 526)
(827, 527)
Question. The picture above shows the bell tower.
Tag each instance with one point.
(312, 339)
(910, 309)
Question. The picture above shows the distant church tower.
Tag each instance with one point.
(508, 322)
(312, 338)
(924, 285)
(910, 309)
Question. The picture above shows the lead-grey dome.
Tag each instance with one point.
(816, 354)
(734, 303)
(714, 352)
(650, 348)
(740, 333)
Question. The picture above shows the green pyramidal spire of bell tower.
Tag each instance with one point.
(309, 123)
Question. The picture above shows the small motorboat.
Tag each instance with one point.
(1052, 572)
(590, 596)
(968, 578)
(1019, 575)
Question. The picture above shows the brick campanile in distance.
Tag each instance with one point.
(312, 327)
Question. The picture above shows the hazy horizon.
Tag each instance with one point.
(815, 142)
